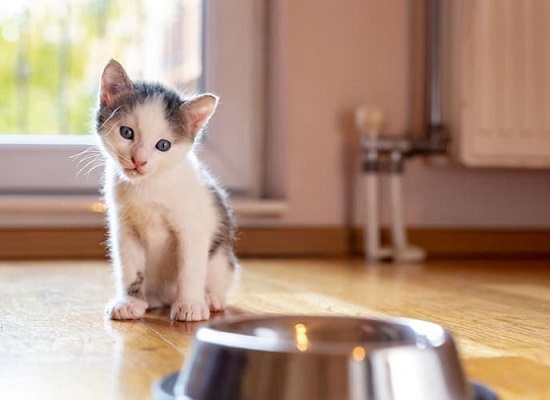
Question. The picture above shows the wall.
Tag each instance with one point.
(331, 56)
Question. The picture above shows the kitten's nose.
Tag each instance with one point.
(138, 162)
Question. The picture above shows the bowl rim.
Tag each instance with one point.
(214, 335)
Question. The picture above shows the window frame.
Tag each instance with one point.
(54, 172)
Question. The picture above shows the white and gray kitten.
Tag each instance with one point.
(171, 230)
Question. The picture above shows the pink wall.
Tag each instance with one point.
(326, 58)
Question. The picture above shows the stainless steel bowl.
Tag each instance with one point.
(312, 357)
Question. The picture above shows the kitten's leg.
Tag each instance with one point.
(128, 257)
(190, 304)
(221, 276)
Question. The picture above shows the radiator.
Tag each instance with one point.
(497, 92)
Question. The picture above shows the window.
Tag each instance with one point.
(52, 56)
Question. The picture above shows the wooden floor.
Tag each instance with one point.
(55, 343)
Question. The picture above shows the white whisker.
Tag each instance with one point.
(90, 158)
(110, 130)
(89, 150)
(87, 165)
(91, 164)
(93, 168)
(109, 118)
(87, 158)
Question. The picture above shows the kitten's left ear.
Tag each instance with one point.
(197, 111)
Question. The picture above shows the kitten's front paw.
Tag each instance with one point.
(182, 311)
(215, 303)
(126, 309)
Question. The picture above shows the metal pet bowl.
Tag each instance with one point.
(314, 358)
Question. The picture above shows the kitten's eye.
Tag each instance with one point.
(126, 133)
(163, 145)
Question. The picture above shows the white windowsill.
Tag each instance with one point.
(38, 211)
(45, 141)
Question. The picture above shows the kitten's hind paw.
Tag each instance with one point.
(182, 311)
(126, 309)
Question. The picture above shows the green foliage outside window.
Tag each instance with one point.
(48, 76)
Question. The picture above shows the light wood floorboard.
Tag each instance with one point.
(55, 343)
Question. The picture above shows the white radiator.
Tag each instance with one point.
(497, 94)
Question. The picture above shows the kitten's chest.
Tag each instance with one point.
(149, 218)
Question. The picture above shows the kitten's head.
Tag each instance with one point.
(145, 127)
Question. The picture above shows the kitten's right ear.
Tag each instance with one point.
(114, 83)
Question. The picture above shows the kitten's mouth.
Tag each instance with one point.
(133, 172)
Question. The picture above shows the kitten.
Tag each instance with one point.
(171, 230)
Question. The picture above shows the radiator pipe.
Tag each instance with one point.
(387, 154)
(435, 139)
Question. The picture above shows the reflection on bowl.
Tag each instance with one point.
(312, 357)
